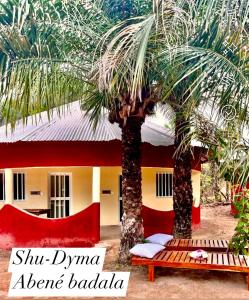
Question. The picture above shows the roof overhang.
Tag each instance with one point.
(51, 154)
(70, 140)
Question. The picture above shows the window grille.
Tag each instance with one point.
(164, 185)
(19, 186)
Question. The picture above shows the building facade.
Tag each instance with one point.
(58, 167)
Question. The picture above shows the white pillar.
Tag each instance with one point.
(9, 186)
(96, 185)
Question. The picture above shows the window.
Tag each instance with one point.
(164, 185)
(2, 187)
(19, 186)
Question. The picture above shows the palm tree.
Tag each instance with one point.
(197, 64)
(129, 73)
(214, 70)
(129, 104)
(39, 75)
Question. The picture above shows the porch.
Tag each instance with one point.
(81, 202)
(64, 191)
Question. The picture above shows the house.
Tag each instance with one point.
(61, 166)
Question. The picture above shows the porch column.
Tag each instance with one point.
(96, 202)
(9, 188)
(96, 185)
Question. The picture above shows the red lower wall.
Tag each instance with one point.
(156, 221)
(196, 217)
(21, 229)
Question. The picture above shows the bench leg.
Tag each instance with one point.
(151, 273)
(248, 280)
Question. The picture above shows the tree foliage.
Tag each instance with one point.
(106, 48)
(240, 240)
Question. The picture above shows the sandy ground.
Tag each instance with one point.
(170, 284)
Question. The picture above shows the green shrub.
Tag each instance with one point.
(240, 239)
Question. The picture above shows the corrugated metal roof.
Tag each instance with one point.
(74, 125)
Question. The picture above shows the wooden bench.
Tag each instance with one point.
(191, 245)
(181, 259)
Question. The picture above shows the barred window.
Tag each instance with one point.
(2, 187)
(164, 185)
(19, 186)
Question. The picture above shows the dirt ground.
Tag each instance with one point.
(171, 284)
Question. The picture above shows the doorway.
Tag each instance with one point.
(60, 195)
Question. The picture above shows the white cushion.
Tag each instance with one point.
(159, 238)
(147, 250)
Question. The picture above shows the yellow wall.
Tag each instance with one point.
(109, 204)
(196, 183)
(164, 203)
(37, 179)
(149, 190)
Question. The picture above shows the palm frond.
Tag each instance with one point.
(213, 65)
(129, 52)
(42, 46)
(95, 103)
(35, 85)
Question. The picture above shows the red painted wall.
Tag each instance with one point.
(42, 154)
(21, 229)
(196, 217)
(156, 221)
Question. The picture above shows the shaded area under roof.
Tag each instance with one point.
(74, 125)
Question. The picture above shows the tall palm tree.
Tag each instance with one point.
(38, 75)
(130, 104)
(214, 70)
(203, 61)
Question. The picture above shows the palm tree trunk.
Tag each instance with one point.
(215, 181)
(132, 224)
(182, 183)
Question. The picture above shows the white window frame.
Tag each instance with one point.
(4, 191)
(164, 185)
(23, 188)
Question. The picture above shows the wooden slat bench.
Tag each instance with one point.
(191, 245)
(181, 259)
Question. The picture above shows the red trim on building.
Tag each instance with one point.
(45, 154)
(196, 217)
(21, 229)
(156, 221)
